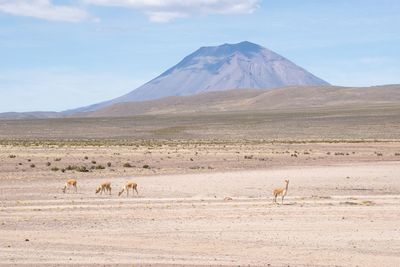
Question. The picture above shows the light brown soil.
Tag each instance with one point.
(341, 210)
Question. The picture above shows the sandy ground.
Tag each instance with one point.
(335, 214)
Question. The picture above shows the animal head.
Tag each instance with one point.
(120, 193)
(287, 181)
(98, 189)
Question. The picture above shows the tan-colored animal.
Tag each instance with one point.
(104, 187)
(281, 191)
(127, 187)
(70, 183)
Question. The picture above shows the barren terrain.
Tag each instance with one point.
(205, 186)
(286, 98)
(203, 204)
(362, 122)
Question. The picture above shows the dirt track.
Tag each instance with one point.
(342, 215)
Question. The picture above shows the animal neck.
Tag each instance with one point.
(287, 185)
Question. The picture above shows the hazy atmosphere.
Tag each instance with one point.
(58, 55)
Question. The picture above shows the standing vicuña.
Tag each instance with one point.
(281, 191)
(127, 186)
(70, 183)
(103, 187)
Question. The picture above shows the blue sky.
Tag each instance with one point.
(57, 55)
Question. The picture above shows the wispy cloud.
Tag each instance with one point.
(167, 10)
(43, 9)
(157, 10)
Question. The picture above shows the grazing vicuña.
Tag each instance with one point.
(104, 187)
(127, 187)
(70, 183)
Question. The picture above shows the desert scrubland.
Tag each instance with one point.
(205, 187)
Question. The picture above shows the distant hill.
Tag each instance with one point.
(252, 100)
(218, 68)
(30, 115)
(240, 100)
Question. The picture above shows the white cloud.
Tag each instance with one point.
(43, 9)
(163, 16)
(167, 10)
(156, 10)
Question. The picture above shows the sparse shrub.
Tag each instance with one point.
(339, 154)
(379, 154)
(57, 159)
(70, 168)
(12, 156)
(94, 162)
(48, 164)
(349, 203)
(82, 169)
(32, 165)
(55, 169)
(77, 168)
(108, 164)
(127, 165)
(248, 156)
(62, 170)
(86, 157)
(328, 153)
(146, 166)
(100, 167)
(194, 167)
(29, 160)
(397, 154)
(368, 203)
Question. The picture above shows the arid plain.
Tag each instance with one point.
(205, 185)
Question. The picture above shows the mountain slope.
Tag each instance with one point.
(242, 100)
(225, 67)
(253, 100)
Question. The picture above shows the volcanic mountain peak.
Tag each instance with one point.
(219, 68)
(212, 58)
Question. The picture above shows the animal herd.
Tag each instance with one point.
(105, 187)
